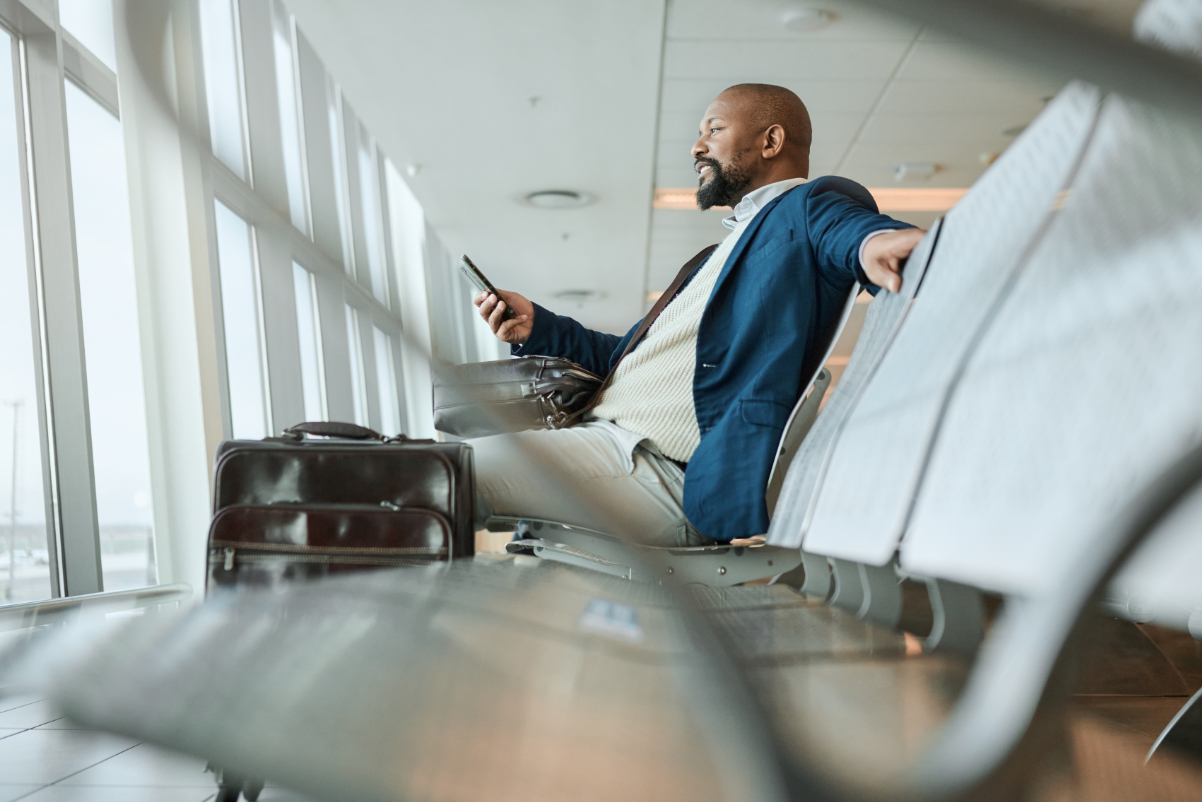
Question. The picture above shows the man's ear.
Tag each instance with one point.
(774, 141)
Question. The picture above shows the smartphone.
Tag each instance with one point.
(483, 284)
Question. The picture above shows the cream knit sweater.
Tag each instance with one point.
(652, 390)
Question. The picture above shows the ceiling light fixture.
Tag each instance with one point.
(557, 199)
(919, 170)
(806, 20)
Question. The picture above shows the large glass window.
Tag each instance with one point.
(290, 119)
(91, 22)
(309, 333)
(333, 93)
(24, 559)
(240, 311)
(112, 344)
(370, 200)
(358, 391)
(386, 384)
(223, 83)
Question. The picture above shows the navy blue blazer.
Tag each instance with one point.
(779, 294)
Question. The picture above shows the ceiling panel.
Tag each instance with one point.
(762, 19)
(872, 164)
(1023, 101)
(905, 130)
(447, 85)
(689, 97)
(770, 61)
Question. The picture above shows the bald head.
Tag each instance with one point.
(752, 135)
(765, 105)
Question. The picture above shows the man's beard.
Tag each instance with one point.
(726, 185)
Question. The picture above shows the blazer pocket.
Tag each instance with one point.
(764, 413)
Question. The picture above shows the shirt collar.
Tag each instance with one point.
(757, 199)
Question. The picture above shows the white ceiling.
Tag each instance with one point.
(447, 85)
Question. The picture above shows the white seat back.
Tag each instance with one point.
(866, 496)
(797, 486)
(1089, 382)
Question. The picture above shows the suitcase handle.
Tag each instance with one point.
(344, 431)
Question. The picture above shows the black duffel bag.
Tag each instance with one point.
(511, 395)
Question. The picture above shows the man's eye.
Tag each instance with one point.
(714, 130)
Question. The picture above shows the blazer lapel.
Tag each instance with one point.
(744, 241)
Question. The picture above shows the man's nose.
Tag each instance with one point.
(699, 148)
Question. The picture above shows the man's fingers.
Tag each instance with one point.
(486, 309)
(479, 298)
(509, 325)
(495, 319)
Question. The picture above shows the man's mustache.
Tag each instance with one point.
(704, 160)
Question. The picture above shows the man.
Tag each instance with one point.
(679, 448)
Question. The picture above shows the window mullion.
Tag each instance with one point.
(79, 542)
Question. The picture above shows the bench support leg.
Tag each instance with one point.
(958, 617)
(1184, 732)
(849, 591)
(882, 595)
(818, 576)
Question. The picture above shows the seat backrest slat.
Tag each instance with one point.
(866, 495)
(1088, 383)
(884, 314)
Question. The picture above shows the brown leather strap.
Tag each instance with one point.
(660, 304)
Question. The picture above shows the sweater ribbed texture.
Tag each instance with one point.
(652, 390)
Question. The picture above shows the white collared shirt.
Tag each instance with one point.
(757, 199)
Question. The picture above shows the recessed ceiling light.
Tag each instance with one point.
(557, 199)
(806, 20)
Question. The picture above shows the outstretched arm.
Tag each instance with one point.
(851, 237)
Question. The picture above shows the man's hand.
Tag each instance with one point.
(514, 331)
(885, 253)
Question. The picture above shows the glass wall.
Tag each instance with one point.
(386, 384)
(91, 22)
(223, 79)
(24, 554)
(300, 243)
(355, 358)
(309, 336)
(249, 412)
(290, 119)
(112, 344)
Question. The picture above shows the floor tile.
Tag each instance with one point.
(19, 700)
(84, 793)
(30, 714)
(46, 756)
(147, 766)
(9, 793)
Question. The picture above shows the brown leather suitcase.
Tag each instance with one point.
(291, 507)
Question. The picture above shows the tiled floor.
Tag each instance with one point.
(44, 758)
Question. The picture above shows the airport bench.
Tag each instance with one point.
(1047, 370)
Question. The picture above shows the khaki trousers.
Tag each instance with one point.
(595, 475)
